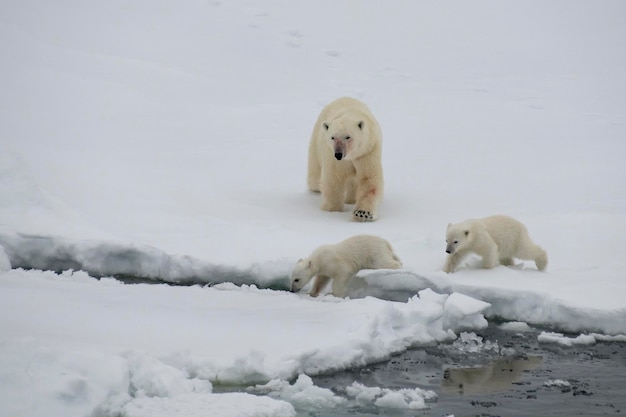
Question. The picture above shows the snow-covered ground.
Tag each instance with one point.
(168, 141)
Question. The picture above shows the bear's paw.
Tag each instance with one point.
(362, 216)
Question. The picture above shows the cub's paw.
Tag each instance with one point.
(362, 216)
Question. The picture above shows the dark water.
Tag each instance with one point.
(506, 377)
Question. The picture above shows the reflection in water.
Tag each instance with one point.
(493, 377)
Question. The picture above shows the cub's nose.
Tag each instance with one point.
(448, 251)
(338, 156)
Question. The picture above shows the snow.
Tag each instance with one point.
(581, 339)
(303, 394)
(414, 399)
(167, 143)
(226, 405)
(559, 383)
(516, 327)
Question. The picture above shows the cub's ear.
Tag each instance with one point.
(300, 260)
(449, 224)
(360, 125)
(467, 233)
(325, 125)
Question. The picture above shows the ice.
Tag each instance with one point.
(201, 405)
(581, 339)
(168, 144)
(557, 383)
(515, 326)
(414, 399)
(5, 262)
(302, 394)
(150, 377)
(609, 338)
(470, 344)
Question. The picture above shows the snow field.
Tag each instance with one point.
(108, 346)
(168, 142)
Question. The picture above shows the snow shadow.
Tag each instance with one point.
(134, 263)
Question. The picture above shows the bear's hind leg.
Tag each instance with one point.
(319, 284)
(535, 253)
(391, 262)
(541, 259)
(340, 285)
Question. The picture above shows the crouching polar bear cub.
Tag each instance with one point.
(497, 239)
(341, 262)
(345, 159)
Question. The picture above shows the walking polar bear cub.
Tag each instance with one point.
(341, 262)
(498, 239)
(345, 159)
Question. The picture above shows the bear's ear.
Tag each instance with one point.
(325, 125)
(360, 125)
(467, 233)
(449, 224)
(300, 260)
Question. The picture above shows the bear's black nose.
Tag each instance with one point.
(338, 156)
(448, 251)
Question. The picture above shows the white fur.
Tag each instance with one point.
(346, 127)
(341, 262)
(497, 239)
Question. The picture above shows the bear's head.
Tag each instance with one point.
(457, 236)
(347, 136)
(301, 274)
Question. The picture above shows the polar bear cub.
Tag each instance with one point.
(341, 262)
(345, 159)
(497, 239)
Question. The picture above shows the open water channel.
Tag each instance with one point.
(505, 374)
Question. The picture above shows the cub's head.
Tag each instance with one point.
(347, 136)
(301, 274)
(457, 236)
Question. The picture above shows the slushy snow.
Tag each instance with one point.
(166, 144)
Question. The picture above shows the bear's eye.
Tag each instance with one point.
(296, 280)
(455, 242)
(332, 138)
(348, 138)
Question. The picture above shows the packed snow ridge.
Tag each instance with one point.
(509, 300)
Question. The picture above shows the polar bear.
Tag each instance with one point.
(341, 262)
(345, 159)
(498, 239)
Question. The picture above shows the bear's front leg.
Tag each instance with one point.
(350, 197)
(452, 261)
(490, 255)
(332, 195)
(319, 284)
(369, 189)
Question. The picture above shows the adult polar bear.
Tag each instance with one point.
(345, 159)
(497, 239)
